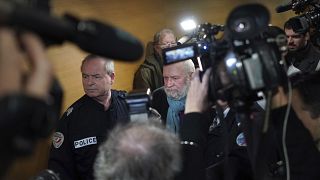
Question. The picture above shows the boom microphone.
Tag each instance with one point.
(90, 35)
(284, 8)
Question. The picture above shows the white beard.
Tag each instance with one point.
(176, 94)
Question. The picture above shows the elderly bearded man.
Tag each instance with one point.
(169, 100)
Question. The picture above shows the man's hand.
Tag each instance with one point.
(197, 97)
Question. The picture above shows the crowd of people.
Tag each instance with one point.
(197, 138)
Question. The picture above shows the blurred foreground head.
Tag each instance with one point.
(139, 151)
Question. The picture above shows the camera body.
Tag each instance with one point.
(245, 61)
(138, 103)
(249, 67)
(200, 47)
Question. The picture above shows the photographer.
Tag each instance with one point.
(302, 55)
(23, 91)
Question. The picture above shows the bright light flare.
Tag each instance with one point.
(188, 24)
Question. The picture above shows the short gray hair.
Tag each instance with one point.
(139, 151)
(158, 35)
(108, 62)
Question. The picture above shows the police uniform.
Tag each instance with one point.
(220, 155)
(80, 131)
(226, 147)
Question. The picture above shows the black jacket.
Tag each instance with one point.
(149, 73)
(266, 148)
(306, 59)
(304, 157)
(80, 131)
(233, 160)
(160, 103)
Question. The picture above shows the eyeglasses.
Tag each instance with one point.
(166, 45)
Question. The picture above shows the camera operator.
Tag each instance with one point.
(23, 90)
(302, 55)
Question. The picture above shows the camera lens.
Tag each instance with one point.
(241, 25)
(247, 21)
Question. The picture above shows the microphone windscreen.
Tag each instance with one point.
(283, 8)
(90, 35)
(106, 40)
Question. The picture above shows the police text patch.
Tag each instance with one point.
(85, 142)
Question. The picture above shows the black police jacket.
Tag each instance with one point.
(80, 131)
(197, 144)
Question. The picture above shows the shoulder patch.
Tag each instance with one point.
(241, 140)
(69, 111)
(119, 93)
(122, 94)
(57, 139)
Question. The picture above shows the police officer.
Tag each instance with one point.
(85, 124)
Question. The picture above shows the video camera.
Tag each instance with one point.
(200, 45)
(247, 60)
(308, 12)
(139, 105)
